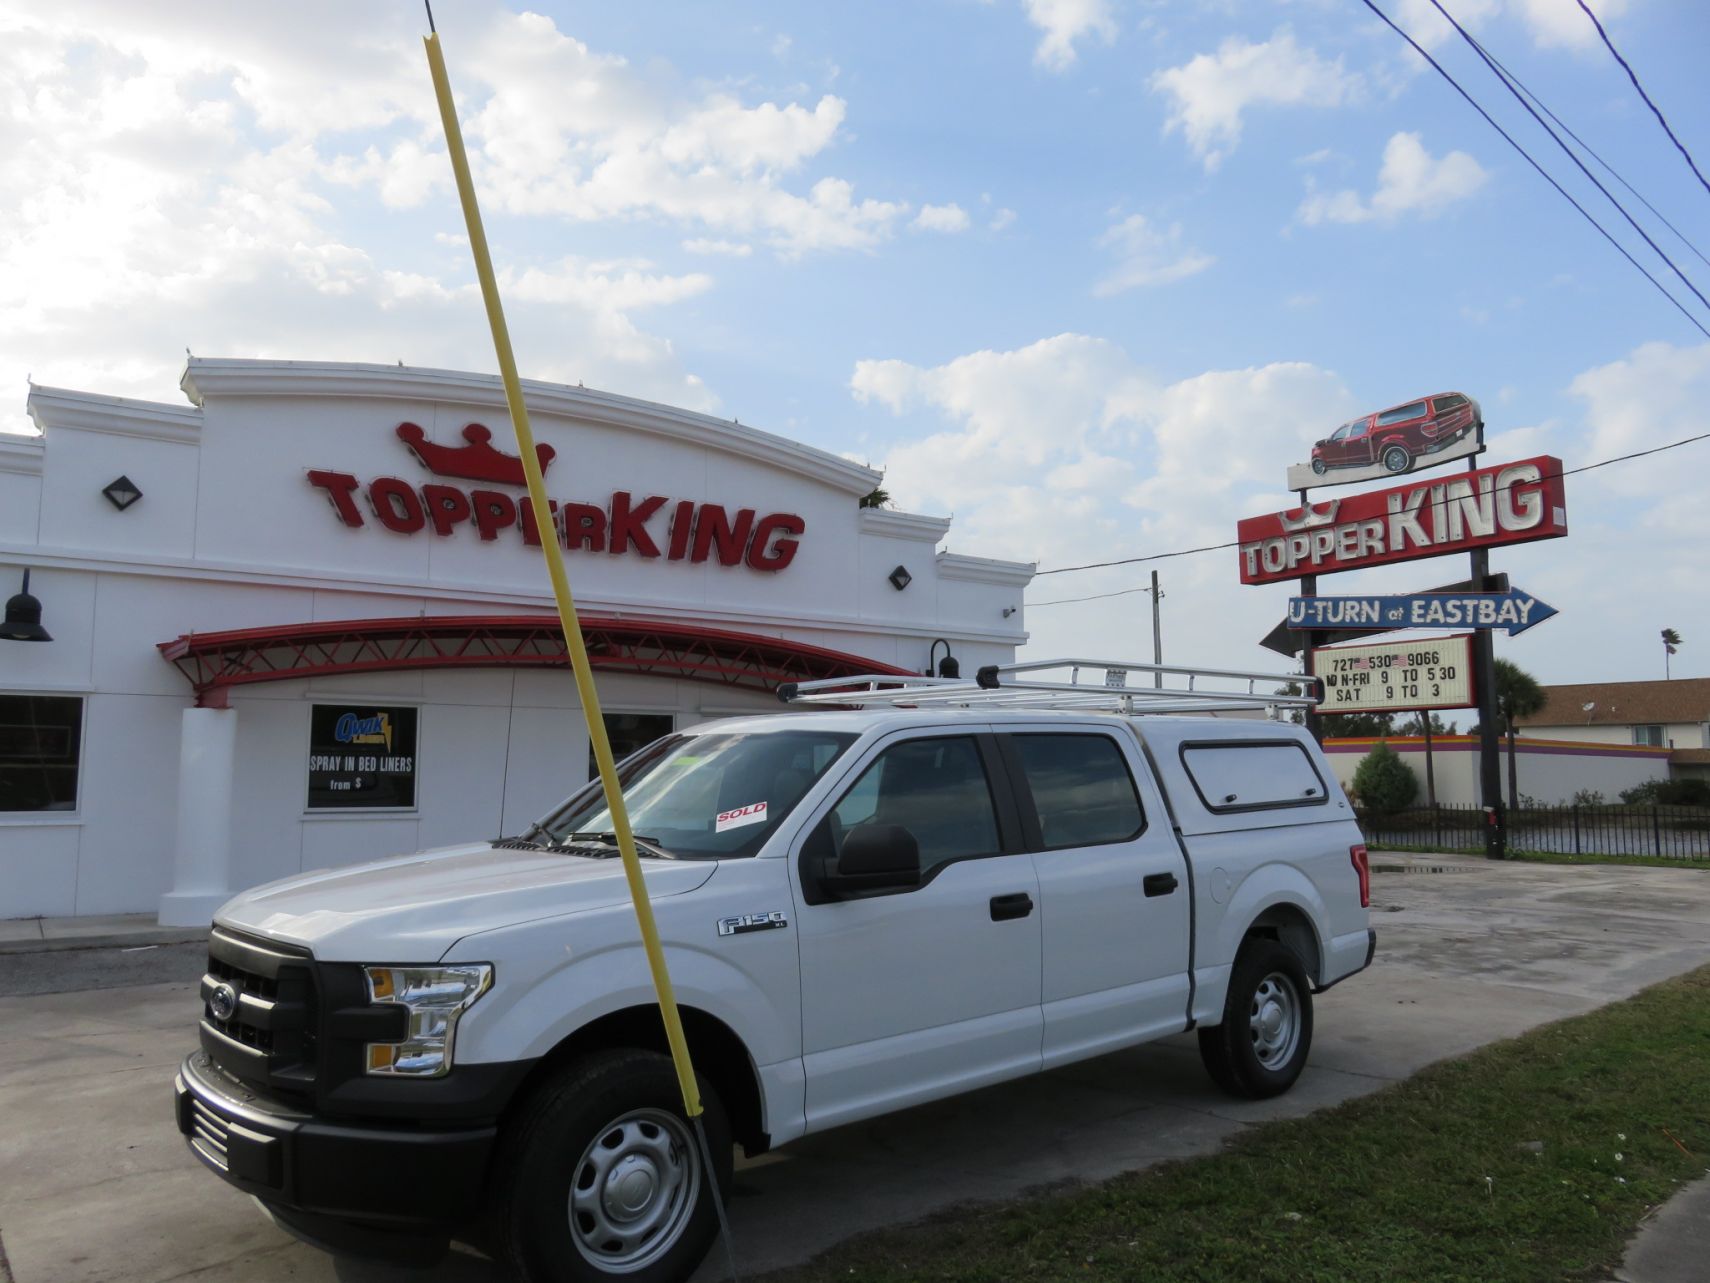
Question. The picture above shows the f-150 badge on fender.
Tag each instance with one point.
(743, 923)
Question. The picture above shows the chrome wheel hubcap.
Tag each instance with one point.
(1274, 1020)
(633, 1190)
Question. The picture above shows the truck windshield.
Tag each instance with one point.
(713, 796)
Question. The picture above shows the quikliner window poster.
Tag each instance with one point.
(362, 756)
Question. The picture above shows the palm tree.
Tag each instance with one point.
(877, 497)
(1671, 640)
(1518, 695)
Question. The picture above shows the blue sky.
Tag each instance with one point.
(1089, 274)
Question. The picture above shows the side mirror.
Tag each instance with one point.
(875, 857)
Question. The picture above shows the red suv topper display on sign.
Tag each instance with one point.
(1392, 439)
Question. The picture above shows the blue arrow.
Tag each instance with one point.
(1512, 612)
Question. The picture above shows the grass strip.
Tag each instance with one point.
(1530, 1161)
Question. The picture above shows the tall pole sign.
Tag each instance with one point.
(1488, 507)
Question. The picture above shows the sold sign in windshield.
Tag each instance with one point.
(1511, 503)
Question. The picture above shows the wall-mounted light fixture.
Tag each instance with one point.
(947, 667)
(24, 617)
(1008, 611)
(121, 493)
(900, 578)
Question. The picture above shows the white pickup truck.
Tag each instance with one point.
(862, 911)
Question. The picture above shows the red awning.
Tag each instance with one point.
(216, 662)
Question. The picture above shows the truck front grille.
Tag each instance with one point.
(258, 1010)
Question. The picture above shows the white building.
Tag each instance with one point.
(321, 635)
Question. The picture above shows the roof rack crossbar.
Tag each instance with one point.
(1002, 686)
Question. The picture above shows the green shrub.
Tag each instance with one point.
(1385, 784)
(1679, 792)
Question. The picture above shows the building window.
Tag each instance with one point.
(41, 741)
(362, 756)
(1650, 736)
(630, 733)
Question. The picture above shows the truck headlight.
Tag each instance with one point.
(435, 998)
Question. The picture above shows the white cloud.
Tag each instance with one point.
(730, 249)
(1064, 22)
(1560, 23)
(1421, 20)
(619, 148)
(174, 181)
(1410, 181)
(1067, 451)
(1002, 219)
(1654, 395)
(1210, 92)
(1550, 23)
(941, 218)
(1147, 256)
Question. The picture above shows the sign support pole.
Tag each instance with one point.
(1489, 743)
(1430, 770)
(1309, 588)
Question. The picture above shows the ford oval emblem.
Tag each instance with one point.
(223, 1002)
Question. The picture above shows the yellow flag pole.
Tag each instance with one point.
(561, 583)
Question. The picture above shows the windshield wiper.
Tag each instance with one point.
(610, 839)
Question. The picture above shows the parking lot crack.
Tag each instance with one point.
(202, 1271)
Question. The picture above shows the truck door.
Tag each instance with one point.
(1113, 888)
(912, 994)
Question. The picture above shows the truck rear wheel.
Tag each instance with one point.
(600, 1176)
(1266, 1034)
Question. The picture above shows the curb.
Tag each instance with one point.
(122, 940)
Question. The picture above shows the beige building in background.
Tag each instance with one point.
(1673, 715)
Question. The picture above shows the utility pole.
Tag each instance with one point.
(1157, 632)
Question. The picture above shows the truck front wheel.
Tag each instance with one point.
(1262, 1044)
(599, 1176)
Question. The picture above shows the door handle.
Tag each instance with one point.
(1005, 907)
(1159, 883)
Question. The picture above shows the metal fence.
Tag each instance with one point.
(1667, 832)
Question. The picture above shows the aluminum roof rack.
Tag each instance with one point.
(1104, 689)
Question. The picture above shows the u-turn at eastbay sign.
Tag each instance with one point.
(1511, 612)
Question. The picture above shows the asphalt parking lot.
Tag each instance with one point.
(96, 1185)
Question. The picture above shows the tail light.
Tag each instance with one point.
(1362, 866)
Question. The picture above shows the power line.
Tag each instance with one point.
(1589, 150)
(1655, 111)
(1236, 543)
(1568, 152)
(1562, 191)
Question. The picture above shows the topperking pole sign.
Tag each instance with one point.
(1509, 503)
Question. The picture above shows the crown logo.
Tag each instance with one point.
(1309, 517)
(477, 461)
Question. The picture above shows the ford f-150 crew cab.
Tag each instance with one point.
(862, 910)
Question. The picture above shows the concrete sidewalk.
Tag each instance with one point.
(1674, 1246)
(42, 935)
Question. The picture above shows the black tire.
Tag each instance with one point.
(1396, 458)
(1319, 467)
(548, 1149)
(1233, 1053)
